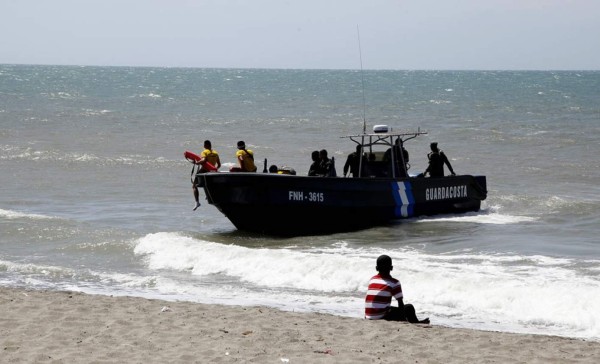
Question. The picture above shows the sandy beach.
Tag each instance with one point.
(69, 327)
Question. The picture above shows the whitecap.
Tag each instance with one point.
(9, 214)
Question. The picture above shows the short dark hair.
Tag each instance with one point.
(207, 142)
(384, 262)
(241, 144)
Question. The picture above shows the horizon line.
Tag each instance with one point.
(315, 69)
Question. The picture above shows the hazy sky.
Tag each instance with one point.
(412, 34)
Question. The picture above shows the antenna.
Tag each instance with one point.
(363, 82)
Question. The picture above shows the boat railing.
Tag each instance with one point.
(384, 138)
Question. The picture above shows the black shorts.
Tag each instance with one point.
(198, 180)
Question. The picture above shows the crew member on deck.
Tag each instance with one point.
(208, 155)
(353, 162)
(245, 159)
(437, 159)
(326, 165)
(400, 154)
(314, 167)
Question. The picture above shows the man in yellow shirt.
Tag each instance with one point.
(208, 155)
(245, 158)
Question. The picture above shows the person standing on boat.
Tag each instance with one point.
(400, 155)
(208, 155)
(314, 166)
(353, 162)
(437, 159)
(245, 159)
(326, 165)
(378, 301)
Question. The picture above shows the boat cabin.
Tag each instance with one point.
(383, 152)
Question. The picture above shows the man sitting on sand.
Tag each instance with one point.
(382, 288)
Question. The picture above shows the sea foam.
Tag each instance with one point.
(532, 294)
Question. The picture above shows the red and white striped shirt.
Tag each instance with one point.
(379, 296)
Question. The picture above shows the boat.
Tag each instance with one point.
(285, 204)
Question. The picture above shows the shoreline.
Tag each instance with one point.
(73, 327)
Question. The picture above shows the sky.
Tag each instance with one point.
(304, 34)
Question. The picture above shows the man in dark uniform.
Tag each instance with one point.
(400, 154)
(314, 167)
(326, 165)
(437, 159)
(353, 162)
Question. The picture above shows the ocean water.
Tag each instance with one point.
(96, 195)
